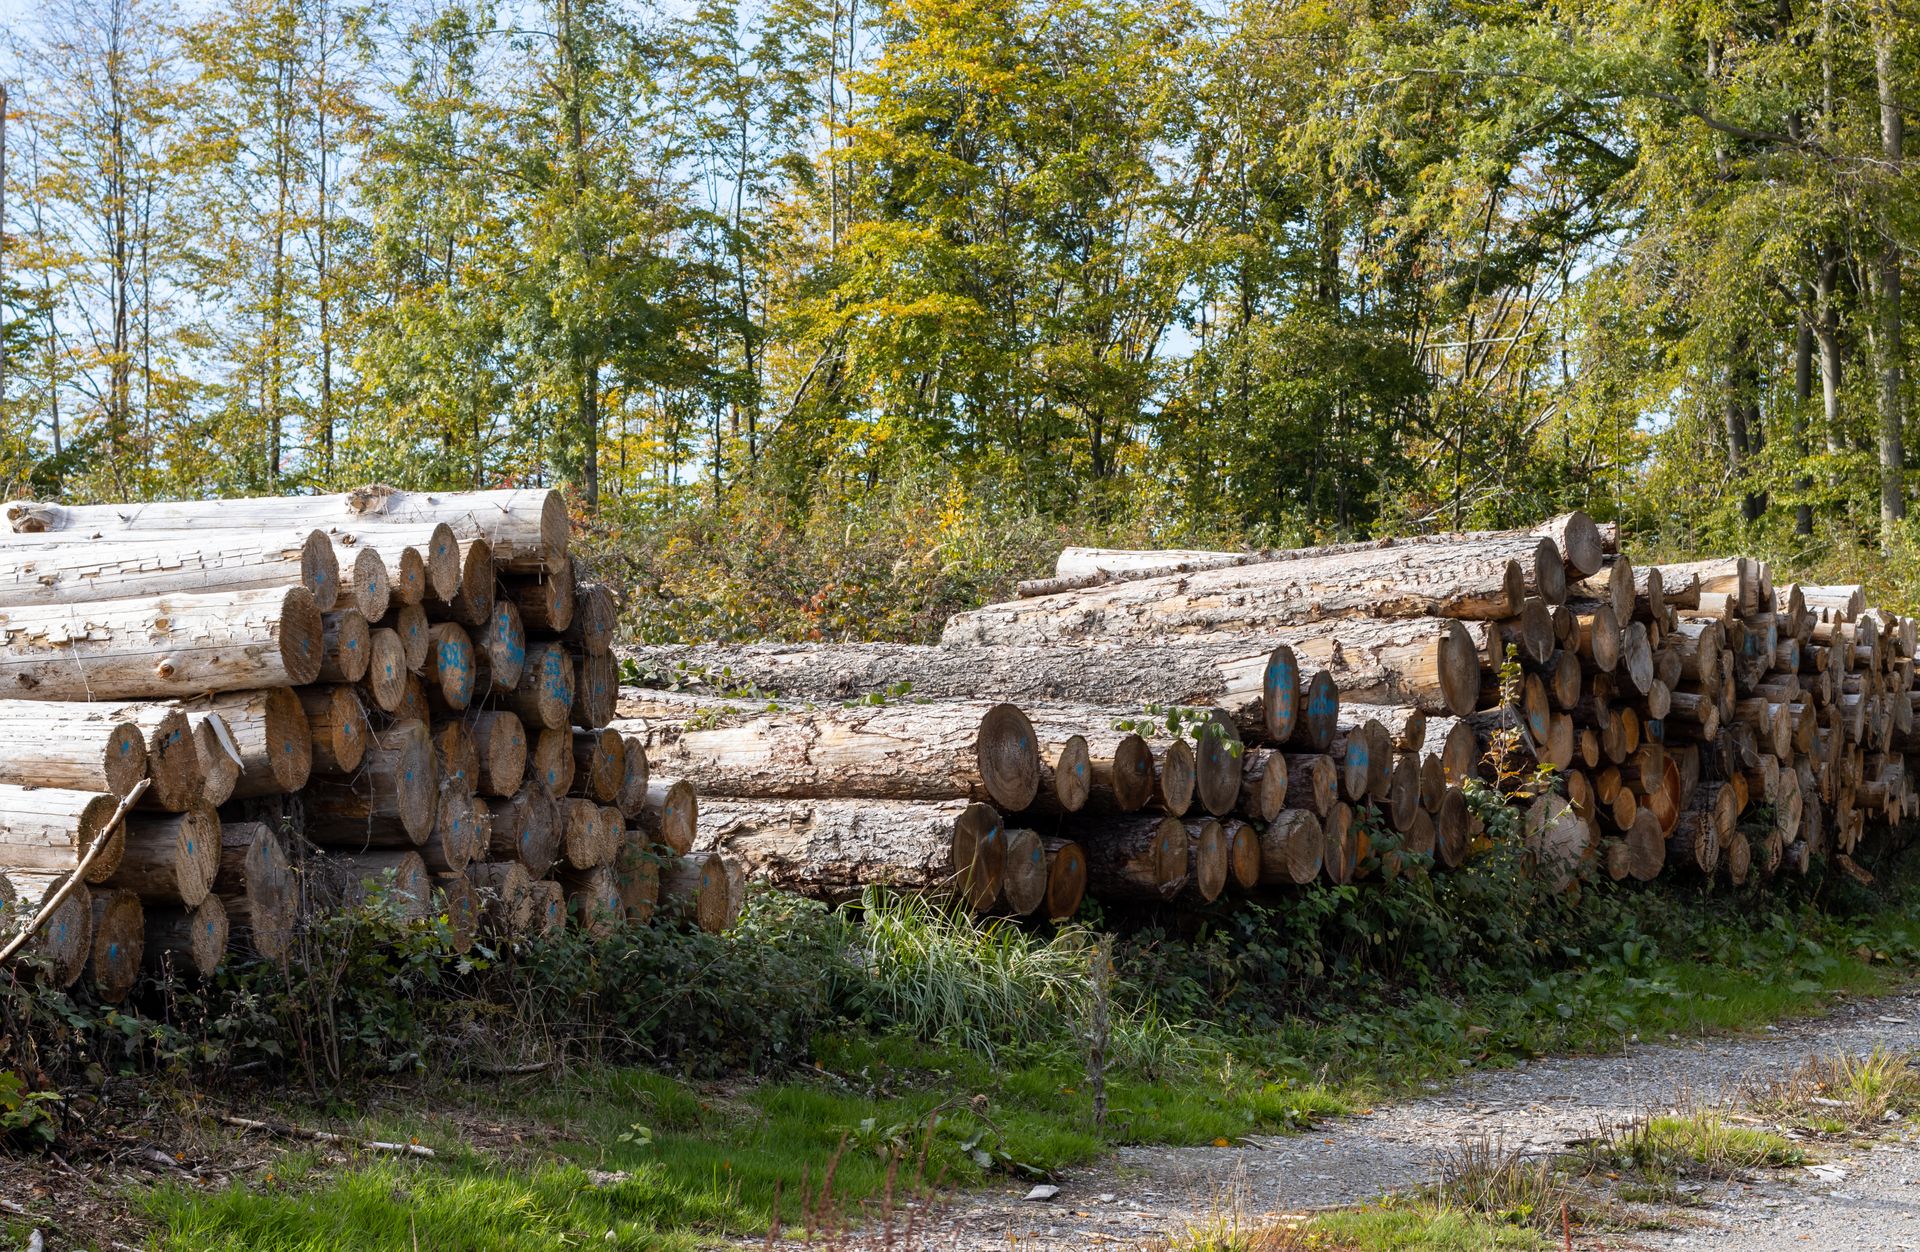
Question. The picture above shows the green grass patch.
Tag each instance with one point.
(1695, 1143)
(1419, 1229)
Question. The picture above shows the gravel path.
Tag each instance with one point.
(1863, 1199)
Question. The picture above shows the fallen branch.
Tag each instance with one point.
(284, 1131)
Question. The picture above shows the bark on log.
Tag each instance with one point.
(633, 783)
(595, 617)
(504, 640)
(527, 528)
(1482, 579)
(119, 943)
(64, 941)
(505, 894)
(636, 877)
(57, 571)
(364, 581)
(396, 880)
(1066, 877)
(72, 745)
(834, 849)
(1263, 783)
(256, 885)
(1206, 862)
(1291, 849)
(457, 899)
(269, 730)
(347, 644)
(1135, 858)
(544, 695)
(671, 814)
(170, 858)
(693, 890)
(190, 941)
(388, 802)
(48, 830)
(1313, 782)
(526, 827)
(158, 649)
(1023, 878)
(545, 600)
(596, 690)
(892, 752)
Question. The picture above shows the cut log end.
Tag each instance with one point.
(1008, 757)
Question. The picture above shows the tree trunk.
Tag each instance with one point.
(77, 567)
(526, 827)
(1135, 858)
(65, 940)
(389, 802)
(1066, 877)
(504, 640)
(49, 830)
(527, 530)
(693, 889)
(505, 894)
(1889, 337)
(834, 849)
(544, 696)
(1291, 849)
(158, 649)
(119, 943)
(171, 859)
(270, 731)
(258, 888)
(189, 941)
(347, 644)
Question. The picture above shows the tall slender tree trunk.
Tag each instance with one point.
(1826, 333)
(1888, 324)
(3, 248)
(1802, 401)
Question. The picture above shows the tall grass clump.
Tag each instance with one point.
(938, 974)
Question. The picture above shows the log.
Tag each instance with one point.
(636, 877)
(693, 890)
(1023, 879)
(170, 858)
(1319, 719)
(1291, 849)
(385, 681)
(834, 849)
(551, 760)
(504, 640)
(458, 836)
(57, 570)
(633, 783)
(1217, 759)
(544, 695)
(525, 827)
(364, 581)
(505, 895)
(1206, 862)
(414, 630)
(48, 830)
(972, 751)
(424, 558)
(1173, 778)
(1313, 782)
(1477, 580)
(388, 802)
(347, 646)
(65, 941)
(187, 940)
(72, 745)
(1136, 858)
(527, 528)
(1556, 839)
(545, 600)
(580, 844)
(1066, 878)
(186, 758)
(456, 756)
(595, 617)
(257, 888)
(1340, 845)
(269, 729)
(1066, 776)
(1263, 783)
(1365, 755)
(449, 673)
(9, 914)
(671, 814)
(460, 905)
(119, 943)
(596, 690)
(158, 649)
(1453, 828)
(500, 746)
(395, 881)
(549, 909)
(472, 600)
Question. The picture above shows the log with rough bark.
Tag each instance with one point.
(1482, 579)
(1206, 862)
(595, 616)
(1263, 783)
(596, 690)
(170, 858)
(834, 849)
(257, 887)
(500, 744)
(65, 940)
(472, 600)
(1217, 759)
(119, 943)
(270, 730)
(1023, 877)
(1136, 858)
(545, 600)
(549, 912)
(347, 644)
(636, 876)
(190, 941)
(460, 903)
(72, 745)
(693, 890)
(544, 695)
(429, 549)
(365, 583)
(1066, 877)
(504, 640)
(75, 568)
(163, 647)
(395, 880)
(525, 827)
(1291, 848)
(1313, 782)
(505, 895)
(1173, 778)
(593, 899)
(527, 528)
(389, 802)
(337, 726)
(671, 814)
(961, 750)
(48, 830)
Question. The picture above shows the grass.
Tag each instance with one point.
(1842, 1094)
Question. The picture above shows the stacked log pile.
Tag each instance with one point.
(1179, 728)
(305, 700)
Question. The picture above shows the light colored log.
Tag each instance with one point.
(1066, 877)
(72, 745)
(596, 614)
(270, 730)
(1291, 849)
(500, 746)
(170, 858)
(671, 814)
(693, 890)
(550, 760)
(348, 646)
(596, 690)
(544, 695)
(64, 941)
(56, 570)
(414, 629)
(257, 886)
(48, 830)
(156, 649)
(365, 583)
(504, 640)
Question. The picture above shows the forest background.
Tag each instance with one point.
(837, 316)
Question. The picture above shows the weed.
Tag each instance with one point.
(1841, 1094)
(1701, 1143)
(1510, 1186)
